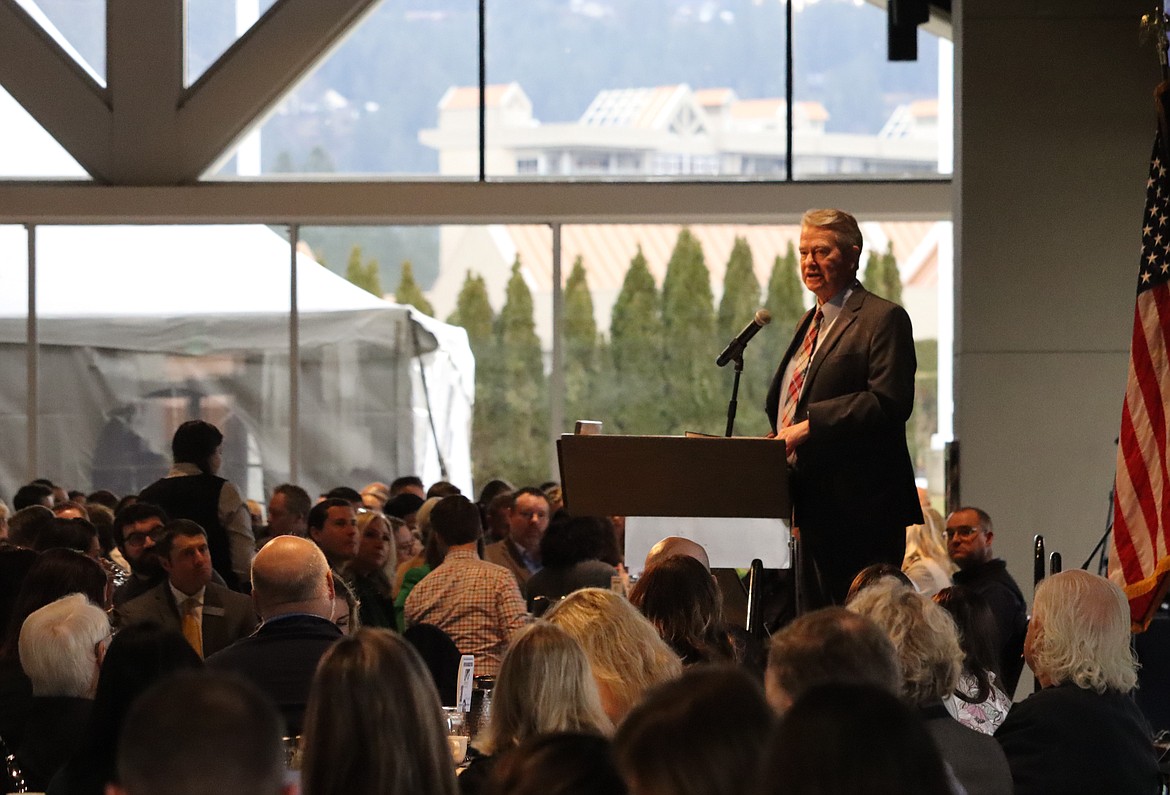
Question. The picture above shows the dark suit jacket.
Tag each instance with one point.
(854, 470)
(280, 658)
(227, 615)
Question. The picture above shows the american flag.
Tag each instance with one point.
(1139, 559)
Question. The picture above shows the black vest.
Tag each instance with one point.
(196, 497)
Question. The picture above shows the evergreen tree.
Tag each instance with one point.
(521, 456)
(474, 313)
(785, 293)
(882, 276)
(741, 291)
(636, 389)
(364, 275)
(581, 348)
(410, 293)
(284, 163)
(741, 299)
(688, 320)
(893, 283)
(319, 161)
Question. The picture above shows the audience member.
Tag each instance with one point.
(495, 521)
(375, 495)
(28, 523)
(558, 764)
(1082, 732)
(32, 494)
(830, 645)
(211, 617)
(408, 484)
(371, 569)
(969, 537)
(683, 603)
(519, 553)
(625, 653)
(75, 534)
(544, 686)
(475, 602)
(428, 560)
(70, 509)
(850, 738)
(56, 573)
(701, 734)
(873, 573)
(61, 650)
(4, 514)
(374, 724)
(333, 527)
(347, 493)
(138, 657)
(15, 563)
(288, 511)
(926, 562)
(497, 517)
(571, 553)
(136, 529)
(977, 702)
(405, 507)
(193, 490)
(674, 546)
(196, 733)
(103, 497)
(292, 588)
(931, 659)
(443, 488)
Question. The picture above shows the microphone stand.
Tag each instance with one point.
(731, 406)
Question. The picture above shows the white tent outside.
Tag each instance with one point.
(142, 327)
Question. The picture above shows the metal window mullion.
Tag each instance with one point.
(557, 376)
(294, 360)
(32, 343)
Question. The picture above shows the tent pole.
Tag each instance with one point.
(294, 360)
(557, 376)
(31, 350)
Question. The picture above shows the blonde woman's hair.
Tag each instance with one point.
(545, 685)
(927, 540)
(924, 635)
(625, 652)
(364, 520)
(1081, 633)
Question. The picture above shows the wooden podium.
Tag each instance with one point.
(728, 494)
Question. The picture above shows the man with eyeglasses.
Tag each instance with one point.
(969, 538)
(136, 529)
(519, 553)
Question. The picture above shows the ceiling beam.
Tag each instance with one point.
(54, 88)
(360, 202)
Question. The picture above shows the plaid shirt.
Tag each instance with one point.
(477, 603)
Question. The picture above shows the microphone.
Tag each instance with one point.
(735, 348)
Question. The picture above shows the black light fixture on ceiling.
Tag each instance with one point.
(902, 20)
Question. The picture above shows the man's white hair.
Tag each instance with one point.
(58, 646)
(1082, 633)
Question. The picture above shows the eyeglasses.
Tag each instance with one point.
(963, 531)
(139, 539)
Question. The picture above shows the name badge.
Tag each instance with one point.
(208, 610)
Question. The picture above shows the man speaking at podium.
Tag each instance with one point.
(840, 400)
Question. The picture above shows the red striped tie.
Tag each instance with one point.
(800, 369)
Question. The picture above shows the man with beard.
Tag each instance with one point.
(136, 528)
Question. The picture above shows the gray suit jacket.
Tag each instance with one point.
(227, 615)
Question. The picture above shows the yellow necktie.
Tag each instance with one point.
(191, 630)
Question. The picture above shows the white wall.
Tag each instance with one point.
(1055, 122)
